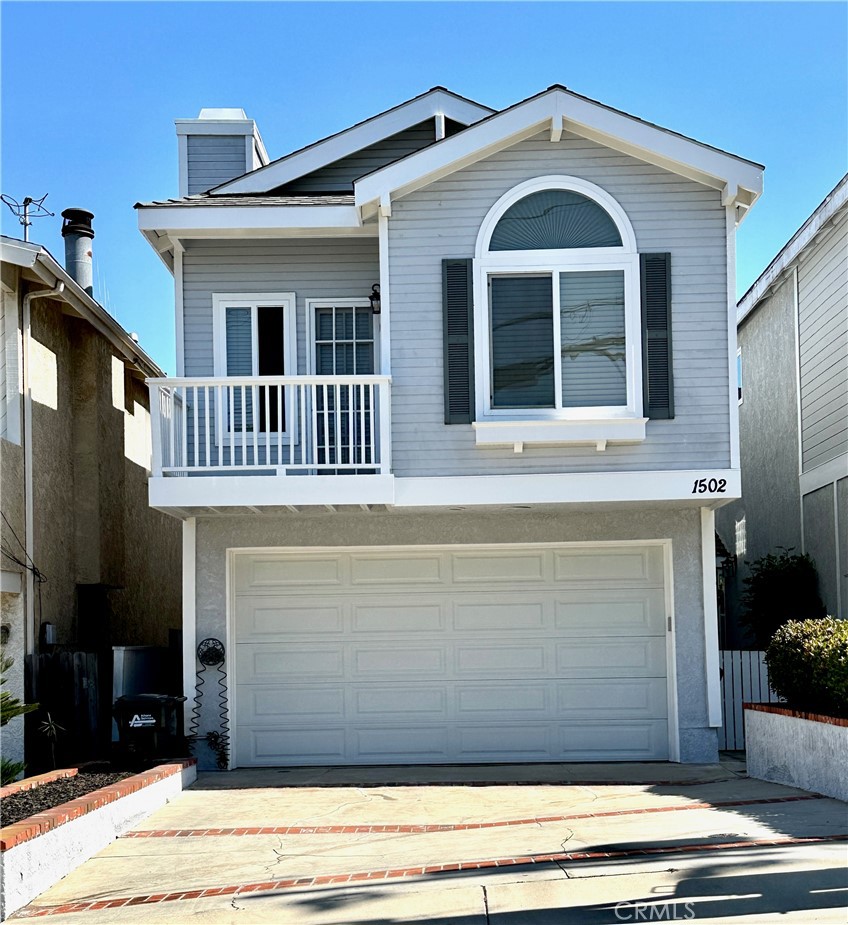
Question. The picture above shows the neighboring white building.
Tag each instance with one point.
(472, 521)
(793, 409)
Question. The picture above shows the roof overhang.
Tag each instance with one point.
(831, 209)
(41, 265)
(161, 226)
(557, 110)
(433, 103)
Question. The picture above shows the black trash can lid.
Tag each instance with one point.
(150, 698)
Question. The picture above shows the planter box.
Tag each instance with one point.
(37, 852)
(798, 749)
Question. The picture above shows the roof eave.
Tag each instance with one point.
(739, 180)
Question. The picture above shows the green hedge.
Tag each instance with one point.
(808, 665)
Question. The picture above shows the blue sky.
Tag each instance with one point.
(90, 92)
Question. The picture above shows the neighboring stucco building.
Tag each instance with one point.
(793, 411)
(455, 404)
(75, 454)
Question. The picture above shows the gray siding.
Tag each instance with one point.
(340, 175)
(768, 443)
(823, 338)
(820, 542)
(214, 159)
(314, 269)
(668, 214)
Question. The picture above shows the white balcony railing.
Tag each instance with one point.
(328, 425)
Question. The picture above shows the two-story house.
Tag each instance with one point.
(455, 405)
(793, 410)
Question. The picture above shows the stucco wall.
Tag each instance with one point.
(820, 542)
(682, 526)
(768, 443)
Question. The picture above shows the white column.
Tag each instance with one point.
(189, 614)
(711, 656)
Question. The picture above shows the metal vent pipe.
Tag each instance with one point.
(78, 233)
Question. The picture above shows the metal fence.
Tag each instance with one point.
(744, 677)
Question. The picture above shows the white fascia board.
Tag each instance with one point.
(799, 242)
(355, 139)
(19, 253)
(613, 129)
(567, 488)
(223, 220)
(256, 491)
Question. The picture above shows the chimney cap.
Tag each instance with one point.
(225, 114)
(77, 221)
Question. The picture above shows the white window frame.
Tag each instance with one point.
(311, 328)
(10, 344)
(286, 301)
(624, 258)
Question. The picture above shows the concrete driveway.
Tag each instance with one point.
(485, 845)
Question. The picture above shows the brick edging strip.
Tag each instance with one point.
(36, 825)
(31, 911)
(30, 783)
(798, 714)
(456, 827)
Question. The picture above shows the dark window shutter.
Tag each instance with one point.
(458, 332)
(658, 390)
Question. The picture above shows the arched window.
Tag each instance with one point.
(557, 309)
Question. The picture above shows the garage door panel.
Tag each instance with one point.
(483, 616)
(390, 618)
(269, 747)
(634, 656)
(407, 569)
(622, 613)
(258, 572)
(612, 699)
(626, 566)
(613, 741)
(274, 662)
(398, 701)
(387, 661)
(503, 701)
(272, 705)
(495, 567)
(400, 743)
(279, 617)
(502, 661)
(526, 742)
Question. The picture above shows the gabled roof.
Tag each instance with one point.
(803, 238)
(298, 199)
(558, 109)
(437, 101)
(44, 265)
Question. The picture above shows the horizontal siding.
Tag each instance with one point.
(317, 269)
(668, 214)
(214, 159)
(341, 174)
(823, 345)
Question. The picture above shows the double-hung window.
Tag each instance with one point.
(557, 315)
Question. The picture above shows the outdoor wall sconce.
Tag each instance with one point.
(374, 298)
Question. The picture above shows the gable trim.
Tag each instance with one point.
(552, 111)
(436, 102)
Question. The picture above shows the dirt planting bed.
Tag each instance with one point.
(18, 806)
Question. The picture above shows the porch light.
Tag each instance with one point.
(374, 298)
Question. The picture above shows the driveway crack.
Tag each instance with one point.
(485, 903)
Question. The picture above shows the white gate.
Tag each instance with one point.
(744, 678)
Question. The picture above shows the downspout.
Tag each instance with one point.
(29, 517)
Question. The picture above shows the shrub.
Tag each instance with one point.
(10, 707)
(808, 665)
(780, 587)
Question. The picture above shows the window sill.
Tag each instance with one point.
(597, 433)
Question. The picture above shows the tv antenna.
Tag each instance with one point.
(27, 210)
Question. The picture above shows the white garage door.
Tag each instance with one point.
(450, 654)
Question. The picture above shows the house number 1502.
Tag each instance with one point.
(713, 486)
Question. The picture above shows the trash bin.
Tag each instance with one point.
(148, 725)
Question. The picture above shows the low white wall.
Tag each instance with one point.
(35, 865)
(797, 752)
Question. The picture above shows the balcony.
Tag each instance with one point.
(263, 440)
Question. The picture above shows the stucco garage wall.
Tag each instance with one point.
(682, 526)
